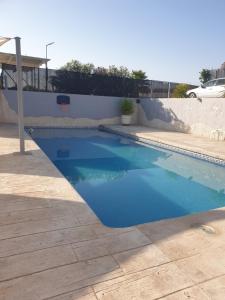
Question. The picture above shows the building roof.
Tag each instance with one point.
(27, 61)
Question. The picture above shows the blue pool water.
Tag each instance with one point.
(126, 183)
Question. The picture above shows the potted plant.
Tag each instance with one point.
(127, 108)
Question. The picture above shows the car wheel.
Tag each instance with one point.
(192, 95)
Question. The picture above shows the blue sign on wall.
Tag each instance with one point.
(63, 99)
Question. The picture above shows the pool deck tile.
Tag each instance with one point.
(193, 293)
(52, 246)
(110, 244)
(82, 294)
(215, 288)
(149, 284)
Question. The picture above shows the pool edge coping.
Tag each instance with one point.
(164, 145)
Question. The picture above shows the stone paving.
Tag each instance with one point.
(52, 246)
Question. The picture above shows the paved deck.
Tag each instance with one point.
(181, 140)
(52, 246)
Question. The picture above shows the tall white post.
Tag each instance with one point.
(19, 94)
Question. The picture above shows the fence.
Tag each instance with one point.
(61, 81)
(34, 79)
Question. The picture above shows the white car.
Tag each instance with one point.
(213, 88)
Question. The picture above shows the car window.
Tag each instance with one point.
(210, 83)
(220, 81)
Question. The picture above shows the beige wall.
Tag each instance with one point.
(198, 117)
(41, 109)
(184, 115)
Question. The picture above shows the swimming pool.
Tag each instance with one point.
(127, 183)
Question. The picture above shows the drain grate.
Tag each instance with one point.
(206, 228)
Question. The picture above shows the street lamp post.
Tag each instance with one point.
(46, 65)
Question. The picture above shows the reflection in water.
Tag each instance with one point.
(126, 183)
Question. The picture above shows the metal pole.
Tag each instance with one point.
(168, 90)
(46, 68)
(151, 89)
(19, 94)
(38, 79)
(46, 65)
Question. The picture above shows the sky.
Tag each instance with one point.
(170, 40)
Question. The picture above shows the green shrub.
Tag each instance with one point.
(127, 107)
(180, 91)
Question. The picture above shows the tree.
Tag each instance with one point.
(78, 78)
(119, 72)
(77, 66)
(89, 68)
(180, 91)
(138, 74)
(73, 65)
(205, 75)
(101, 71)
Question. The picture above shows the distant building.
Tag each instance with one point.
(218, 73)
